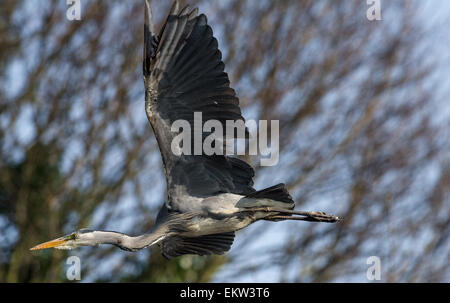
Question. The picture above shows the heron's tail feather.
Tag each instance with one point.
(274, 196)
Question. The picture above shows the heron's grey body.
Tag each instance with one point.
(209, 196)
(222, 214)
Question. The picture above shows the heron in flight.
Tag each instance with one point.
(209, 196)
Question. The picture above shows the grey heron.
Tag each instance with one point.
(209, 196)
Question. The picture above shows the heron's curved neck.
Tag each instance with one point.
(158, 232)
(121, 240)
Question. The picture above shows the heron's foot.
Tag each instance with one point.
(318, 216)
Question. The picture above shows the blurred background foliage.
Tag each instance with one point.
(364, 119)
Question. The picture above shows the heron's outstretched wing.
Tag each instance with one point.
(205, 245)
(184, 73)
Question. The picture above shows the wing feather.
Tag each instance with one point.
(204, 245)
(186, 75)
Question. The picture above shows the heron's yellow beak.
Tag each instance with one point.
(52, 244)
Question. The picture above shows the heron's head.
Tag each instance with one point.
(83, 237)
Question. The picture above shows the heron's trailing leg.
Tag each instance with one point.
(287, 214)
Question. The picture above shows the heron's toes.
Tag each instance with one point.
(323, 217)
